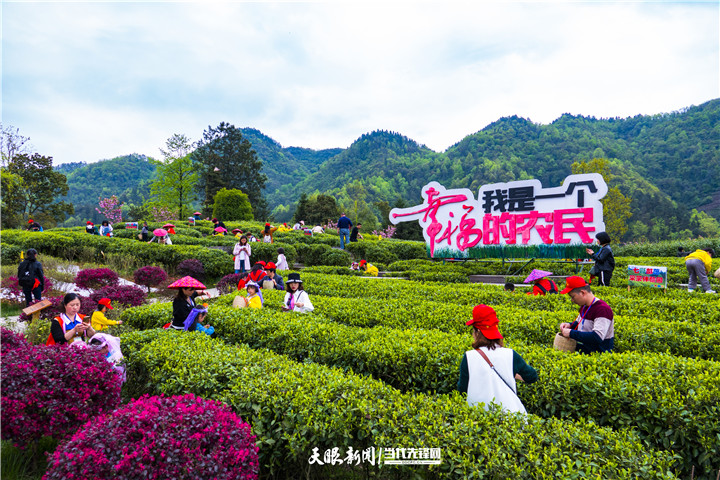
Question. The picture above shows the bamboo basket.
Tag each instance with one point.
(564, 344)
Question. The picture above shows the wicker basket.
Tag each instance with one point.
(239, 302)
(564, 344)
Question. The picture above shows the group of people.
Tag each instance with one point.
(105, 230)
(489, 372)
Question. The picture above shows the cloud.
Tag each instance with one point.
(94, 80)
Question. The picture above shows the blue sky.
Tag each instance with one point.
(93, 80)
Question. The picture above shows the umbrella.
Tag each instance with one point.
(197, 213)
(220, 229)
(536, 275)
(187, 282)
(168, 225)
(160, 232)
(235, 230)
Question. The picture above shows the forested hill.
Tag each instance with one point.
(127, 176)
(668, 163)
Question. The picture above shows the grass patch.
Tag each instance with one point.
(27, 464)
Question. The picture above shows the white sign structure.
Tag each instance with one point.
(515, 213)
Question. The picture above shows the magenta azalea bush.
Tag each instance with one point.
(180, 437)
(92, 278)
(228, 283)
(87, 306)
(149, 276)
(128, 295)
(51, 391)
(14, 292)
(191, 267)
(10, 340)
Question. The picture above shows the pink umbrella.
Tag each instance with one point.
(168, 225)
(187, 282)
(160, 232)
(220, 229)
(536, 275)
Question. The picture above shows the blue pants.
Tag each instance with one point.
(344, 237)
(29, 292)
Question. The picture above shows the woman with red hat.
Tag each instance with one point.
(489, 371)
(268, 233)
(99, 321)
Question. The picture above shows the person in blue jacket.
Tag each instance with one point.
(343, 226)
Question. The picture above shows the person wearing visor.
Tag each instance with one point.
(488, 372)
(594, 328)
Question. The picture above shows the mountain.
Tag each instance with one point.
(127, 176)
(668, 164)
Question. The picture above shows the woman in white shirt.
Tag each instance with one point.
(296, 298)
(489, 371)
(242, 252)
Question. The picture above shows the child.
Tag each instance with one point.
(254, 297)
(281, 260)
(509, 287)
(99, 321)
(369, 268)
(296, 298)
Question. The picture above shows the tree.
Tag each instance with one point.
(703, 224)
(228, 161)
(302, 210)
(41, 185)
(616, 206)
(12, 187)
(12, 143)
(232, 205)
(177, 177)
(408, 230)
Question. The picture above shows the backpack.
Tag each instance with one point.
(553, 287)
(26, 274)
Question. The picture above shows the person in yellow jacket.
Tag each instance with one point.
(369, 268)
(698, 264)
(254, 297)
(99, 321)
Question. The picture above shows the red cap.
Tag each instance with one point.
(363, 262)
(270, 266)
(106, 302)
(572, 283)
(267, 224)
(31, 221)
(260, 262)
(89, 223)
(485, 319)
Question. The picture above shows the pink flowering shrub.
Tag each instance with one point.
(87, 306)
(110, 208)
(389, 232)
(161, 214)
(10, 340)
(14, 291)
(149, 276)
(180, 437)
(128, 295)
(191, 267)
(92, 278)
(51, 391)
(228, 283)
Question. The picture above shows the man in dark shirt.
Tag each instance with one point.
(344, 225)
(594, 328)
(355, 233)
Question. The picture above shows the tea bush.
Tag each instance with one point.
(297, 407)
(179, 437)
(51, 391)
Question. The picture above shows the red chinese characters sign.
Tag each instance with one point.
(515, 213)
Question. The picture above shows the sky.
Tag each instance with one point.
(88, 81)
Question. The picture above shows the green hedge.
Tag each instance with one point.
(9, 254)
(427, 361)
(71, 245)
(295, 407)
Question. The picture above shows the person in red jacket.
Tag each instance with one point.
(541, 285)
